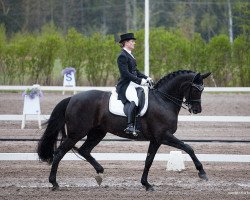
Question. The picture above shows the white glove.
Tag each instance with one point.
(144, 82)
(150, 82)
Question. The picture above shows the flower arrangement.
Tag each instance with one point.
(68, 70)
(32, 93)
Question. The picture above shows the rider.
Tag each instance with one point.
(130, 79)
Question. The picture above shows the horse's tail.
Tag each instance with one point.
(55, 124)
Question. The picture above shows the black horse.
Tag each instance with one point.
(87, 114)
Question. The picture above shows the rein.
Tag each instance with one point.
(174, 99)
(189, 100)
(179, 102)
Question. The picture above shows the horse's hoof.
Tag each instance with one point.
(55, 187)
(150, 188)
(203, 176)
(99, 178)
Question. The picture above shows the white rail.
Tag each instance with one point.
(84, 88)
(184, 118)
(133, 157)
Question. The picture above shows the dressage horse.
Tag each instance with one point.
(87, 114)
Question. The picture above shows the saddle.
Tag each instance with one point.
(116, 106)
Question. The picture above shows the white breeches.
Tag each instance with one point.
(131, 93)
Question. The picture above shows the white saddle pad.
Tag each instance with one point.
(116, 106)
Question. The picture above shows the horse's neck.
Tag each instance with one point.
(172, 88)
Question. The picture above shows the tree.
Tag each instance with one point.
(101, 56)
(22, 46)
(219, 59)
(241, 12)
(2, 54)
(74, 52)
(46, 51)
(241, 60)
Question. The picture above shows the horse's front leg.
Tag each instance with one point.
(152, 149)
(171, 140)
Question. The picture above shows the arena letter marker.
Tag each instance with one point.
(69, 78)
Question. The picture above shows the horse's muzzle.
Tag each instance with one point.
(195, 109)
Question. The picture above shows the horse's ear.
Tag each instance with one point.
(205, 75)
(197, 76)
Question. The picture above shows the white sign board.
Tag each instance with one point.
(176, 161)
(69, 80)
(31, 106)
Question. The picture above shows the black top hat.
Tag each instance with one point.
(127, 36)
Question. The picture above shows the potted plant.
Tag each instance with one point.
(33, 92)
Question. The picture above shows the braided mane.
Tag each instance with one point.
(170, 76)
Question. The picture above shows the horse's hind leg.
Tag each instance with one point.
(58, 155)
(93, 138)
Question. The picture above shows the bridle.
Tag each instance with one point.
(198, 87)
(188, 101)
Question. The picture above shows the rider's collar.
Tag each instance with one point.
(128, 51)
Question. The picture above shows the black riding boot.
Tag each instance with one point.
(131, 119)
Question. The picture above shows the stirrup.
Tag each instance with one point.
(129, 129)
(132, 130)
(135, 133)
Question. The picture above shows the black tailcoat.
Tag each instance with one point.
(128, 71)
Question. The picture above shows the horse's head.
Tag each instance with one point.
(183, 84)
(193, 91)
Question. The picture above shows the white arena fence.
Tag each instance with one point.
(85, 88)
(190, 118)
(132, 157)
(183, 118)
